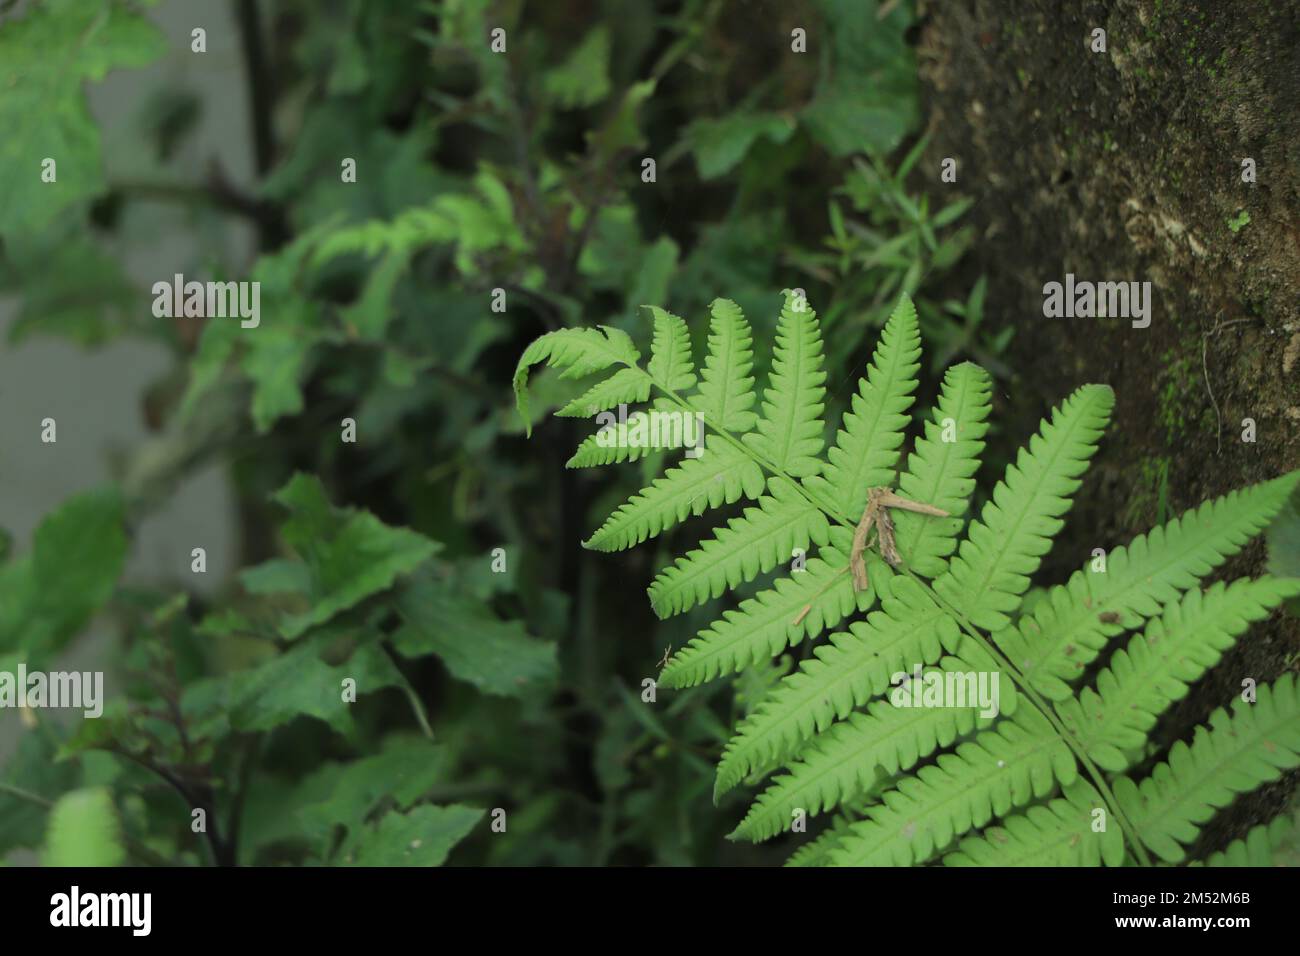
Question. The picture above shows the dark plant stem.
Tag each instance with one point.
(248, 761)
(261, 100)
(260, 88)
(223, 851)
(217, 191)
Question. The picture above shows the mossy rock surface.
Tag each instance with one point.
(1127, 165)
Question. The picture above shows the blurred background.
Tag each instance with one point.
(387, 175)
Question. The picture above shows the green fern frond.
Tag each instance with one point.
(721, 475)
(409, 230)
(1250, 745)
(940, 470)
(801, 605)
(578, 352)
(592, 452)
(627, 386)
(818, 852)
(789, 435)
(608, 445)
(726, 390)
(757, 541)
(866, 450)
(1069, 627)
(1113, 721)
(1262, 846)
(851, 669)
(670, 352)
(1018, 760)
(841, 763)
(991, 571)
(1022, 786)
(1060, 832)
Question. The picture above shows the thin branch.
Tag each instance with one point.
(218, 191)
(244, 776)
(274, 231)
(1205, 370)
(261, 90)
(27, 795)
(221, 850)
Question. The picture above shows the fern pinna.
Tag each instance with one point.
(1048, 777)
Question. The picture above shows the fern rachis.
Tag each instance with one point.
(939, 784)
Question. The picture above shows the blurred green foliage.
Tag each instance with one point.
(433, 562)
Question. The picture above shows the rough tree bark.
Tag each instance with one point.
(1127, 165)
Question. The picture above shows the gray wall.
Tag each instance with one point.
(96, 396)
